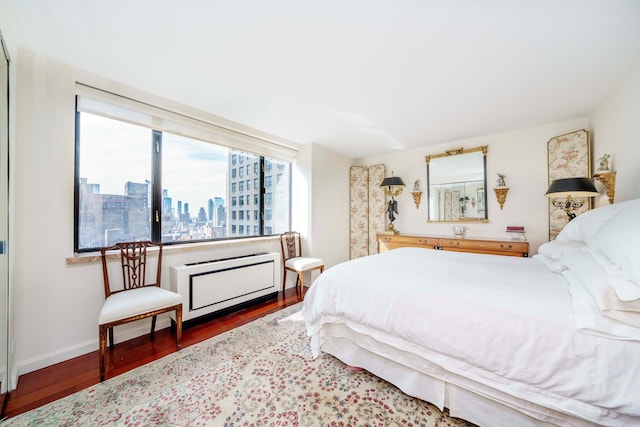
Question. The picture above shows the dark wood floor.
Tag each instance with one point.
(54, 382)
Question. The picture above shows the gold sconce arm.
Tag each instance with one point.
(392, 191)
(608, 180)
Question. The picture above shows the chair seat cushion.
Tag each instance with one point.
(136, 301)
(303, 263)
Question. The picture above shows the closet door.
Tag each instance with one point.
(4, 209)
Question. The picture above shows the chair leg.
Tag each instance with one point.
(153, 327)
(179, 328)
(102, 333)
(284, 279)
(111, 342)
(300, 279)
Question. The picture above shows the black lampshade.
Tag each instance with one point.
(392, 181)
(574, 187)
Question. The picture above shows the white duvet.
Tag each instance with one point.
(501, 322)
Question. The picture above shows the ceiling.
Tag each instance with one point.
(361, 77)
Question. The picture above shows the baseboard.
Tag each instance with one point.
(133, 330)
(124, 333)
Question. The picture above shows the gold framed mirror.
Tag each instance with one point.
(456, 185)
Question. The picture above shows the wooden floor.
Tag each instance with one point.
(54, 382)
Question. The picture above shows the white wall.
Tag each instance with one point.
(520, 155)
(616, 123)
(322, 219)
(330, 206)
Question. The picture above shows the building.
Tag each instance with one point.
(245, 191)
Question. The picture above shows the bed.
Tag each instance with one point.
(500, 341)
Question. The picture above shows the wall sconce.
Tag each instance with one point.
(416, 193)
(501, 195)
(392, 186)
(608, 180)
(501, 190)
(570, 188)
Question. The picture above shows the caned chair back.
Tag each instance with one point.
(133, 260)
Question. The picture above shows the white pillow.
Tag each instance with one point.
(590, 318)
(595, 270)
(619, 240)
(625, 289)
(558, 249)
(552, 264)
(585, 225)
(597, 307)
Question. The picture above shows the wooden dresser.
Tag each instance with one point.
(386, 242)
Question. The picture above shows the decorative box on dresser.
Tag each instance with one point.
(387, 242)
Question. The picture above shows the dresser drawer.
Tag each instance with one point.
(485, 246)
(388, 242)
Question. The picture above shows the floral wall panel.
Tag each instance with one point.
(359, 208)
(568, 156)
(367, 209)
(377, 206)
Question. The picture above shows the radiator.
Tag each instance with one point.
(209, 286)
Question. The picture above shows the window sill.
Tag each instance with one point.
(88, 257)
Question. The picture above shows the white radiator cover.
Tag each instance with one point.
(209, 286)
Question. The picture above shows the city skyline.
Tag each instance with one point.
(108, 142)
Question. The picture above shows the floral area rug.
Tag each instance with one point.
(260, 374)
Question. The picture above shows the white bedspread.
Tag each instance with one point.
(502, 322)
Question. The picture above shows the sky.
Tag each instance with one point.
(113, 152)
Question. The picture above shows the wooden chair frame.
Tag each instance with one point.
(133, 258)
(291, 246)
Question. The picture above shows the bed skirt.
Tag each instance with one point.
(466, 399)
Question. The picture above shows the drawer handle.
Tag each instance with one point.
(507, 247)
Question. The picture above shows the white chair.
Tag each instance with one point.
(134, 299)
(293, 260)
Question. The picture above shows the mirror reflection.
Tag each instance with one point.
(457, 180)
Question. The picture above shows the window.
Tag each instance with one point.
(134, 182)
(115, 196)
